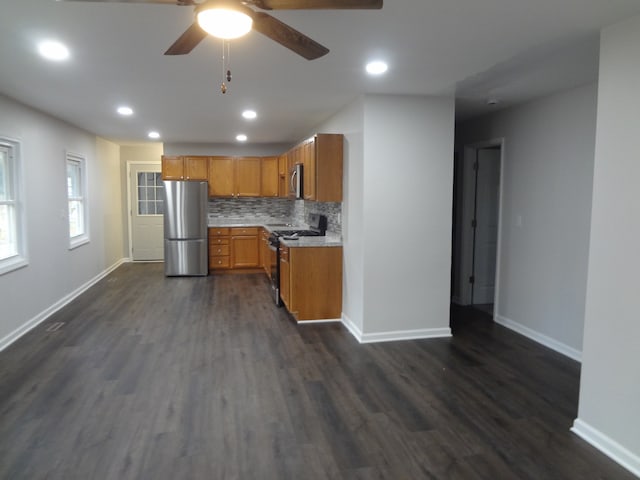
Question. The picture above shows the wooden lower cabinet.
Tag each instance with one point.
(244, 247)
(311, 282)
(234, 248)
(219, 248)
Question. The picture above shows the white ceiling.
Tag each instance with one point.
(514, 50)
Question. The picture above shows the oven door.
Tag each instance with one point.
(274, 263)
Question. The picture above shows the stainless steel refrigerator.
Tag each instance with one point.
(185, 228)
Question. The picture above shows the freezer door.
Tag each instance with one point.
(185, 210)
(186, 257)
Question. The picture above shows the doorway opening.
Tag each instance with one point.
(476, 226)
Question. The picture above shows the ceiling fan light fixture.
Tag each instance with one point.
(226, 21)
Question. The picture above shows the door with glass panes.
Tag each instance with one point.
(147, 212)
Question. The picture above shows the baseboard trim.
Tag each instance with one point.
(352, 327)
(325, 320)
(608, 446)
(394, 336)
(46, 313)
(549, 342)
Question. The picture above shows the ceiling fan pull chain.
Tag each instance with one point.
(223, 87)
(228, 61)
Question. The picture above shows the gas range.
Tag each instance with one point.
(317, 228)
(293, 234)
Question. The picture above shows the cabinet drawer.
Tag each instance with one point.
(219, 262)
(244, 231)
(218, 250)
(213, 241)
(219, 231)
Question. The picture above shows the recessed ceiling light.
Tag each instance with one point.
(376, 68)
(52, 50)
(153, 135)
(125, 111)
(241, 137)
(249, 114)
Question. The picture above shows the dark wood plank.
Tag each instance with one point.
(163, 378)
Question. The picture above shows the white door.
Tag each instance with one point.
(486, 235)
(147, 212)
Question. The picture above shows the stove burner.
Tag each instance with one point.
(292, 235)
(297, 233)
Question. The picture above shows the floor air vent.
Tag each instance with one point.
(54, 327)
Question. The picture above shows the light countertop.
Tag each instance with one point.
(278, 223)
(329, 240)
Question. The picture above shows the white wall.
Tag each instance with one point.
(350, 122)
(396, 215)
(151, 152)
(408, 191)
(610, 383)
(239, 149)
(548, 173)
(110, 208)
(55, 272)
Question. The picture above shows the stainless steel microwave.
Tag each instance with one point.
(295, 181)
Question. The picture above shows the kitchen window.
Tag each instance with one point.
(77, 197)
(12, 241)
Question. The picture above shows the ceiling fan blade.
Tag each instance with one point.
(317, 4)
(288, 36)
(167, 2)
(187, 41)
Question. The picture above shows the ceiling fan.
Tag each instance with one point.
(247, 17)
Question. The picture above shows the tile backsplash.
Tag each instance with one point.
(333, 212)
(297, 210)
(250, 207)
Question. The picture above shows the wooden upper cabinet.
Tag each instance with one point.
(234, 176)
(327, 167)
(269, 177)
(283, 176)
(248, 176)
(321, 157)
(221, 177)
(184, 168)
(196, 168)
(309, 170)
(172, 168)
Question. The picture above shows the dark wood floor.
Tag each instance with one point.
(204, 378)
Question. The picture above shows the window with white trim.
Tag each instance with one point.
(12, 241)
(77, 197)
